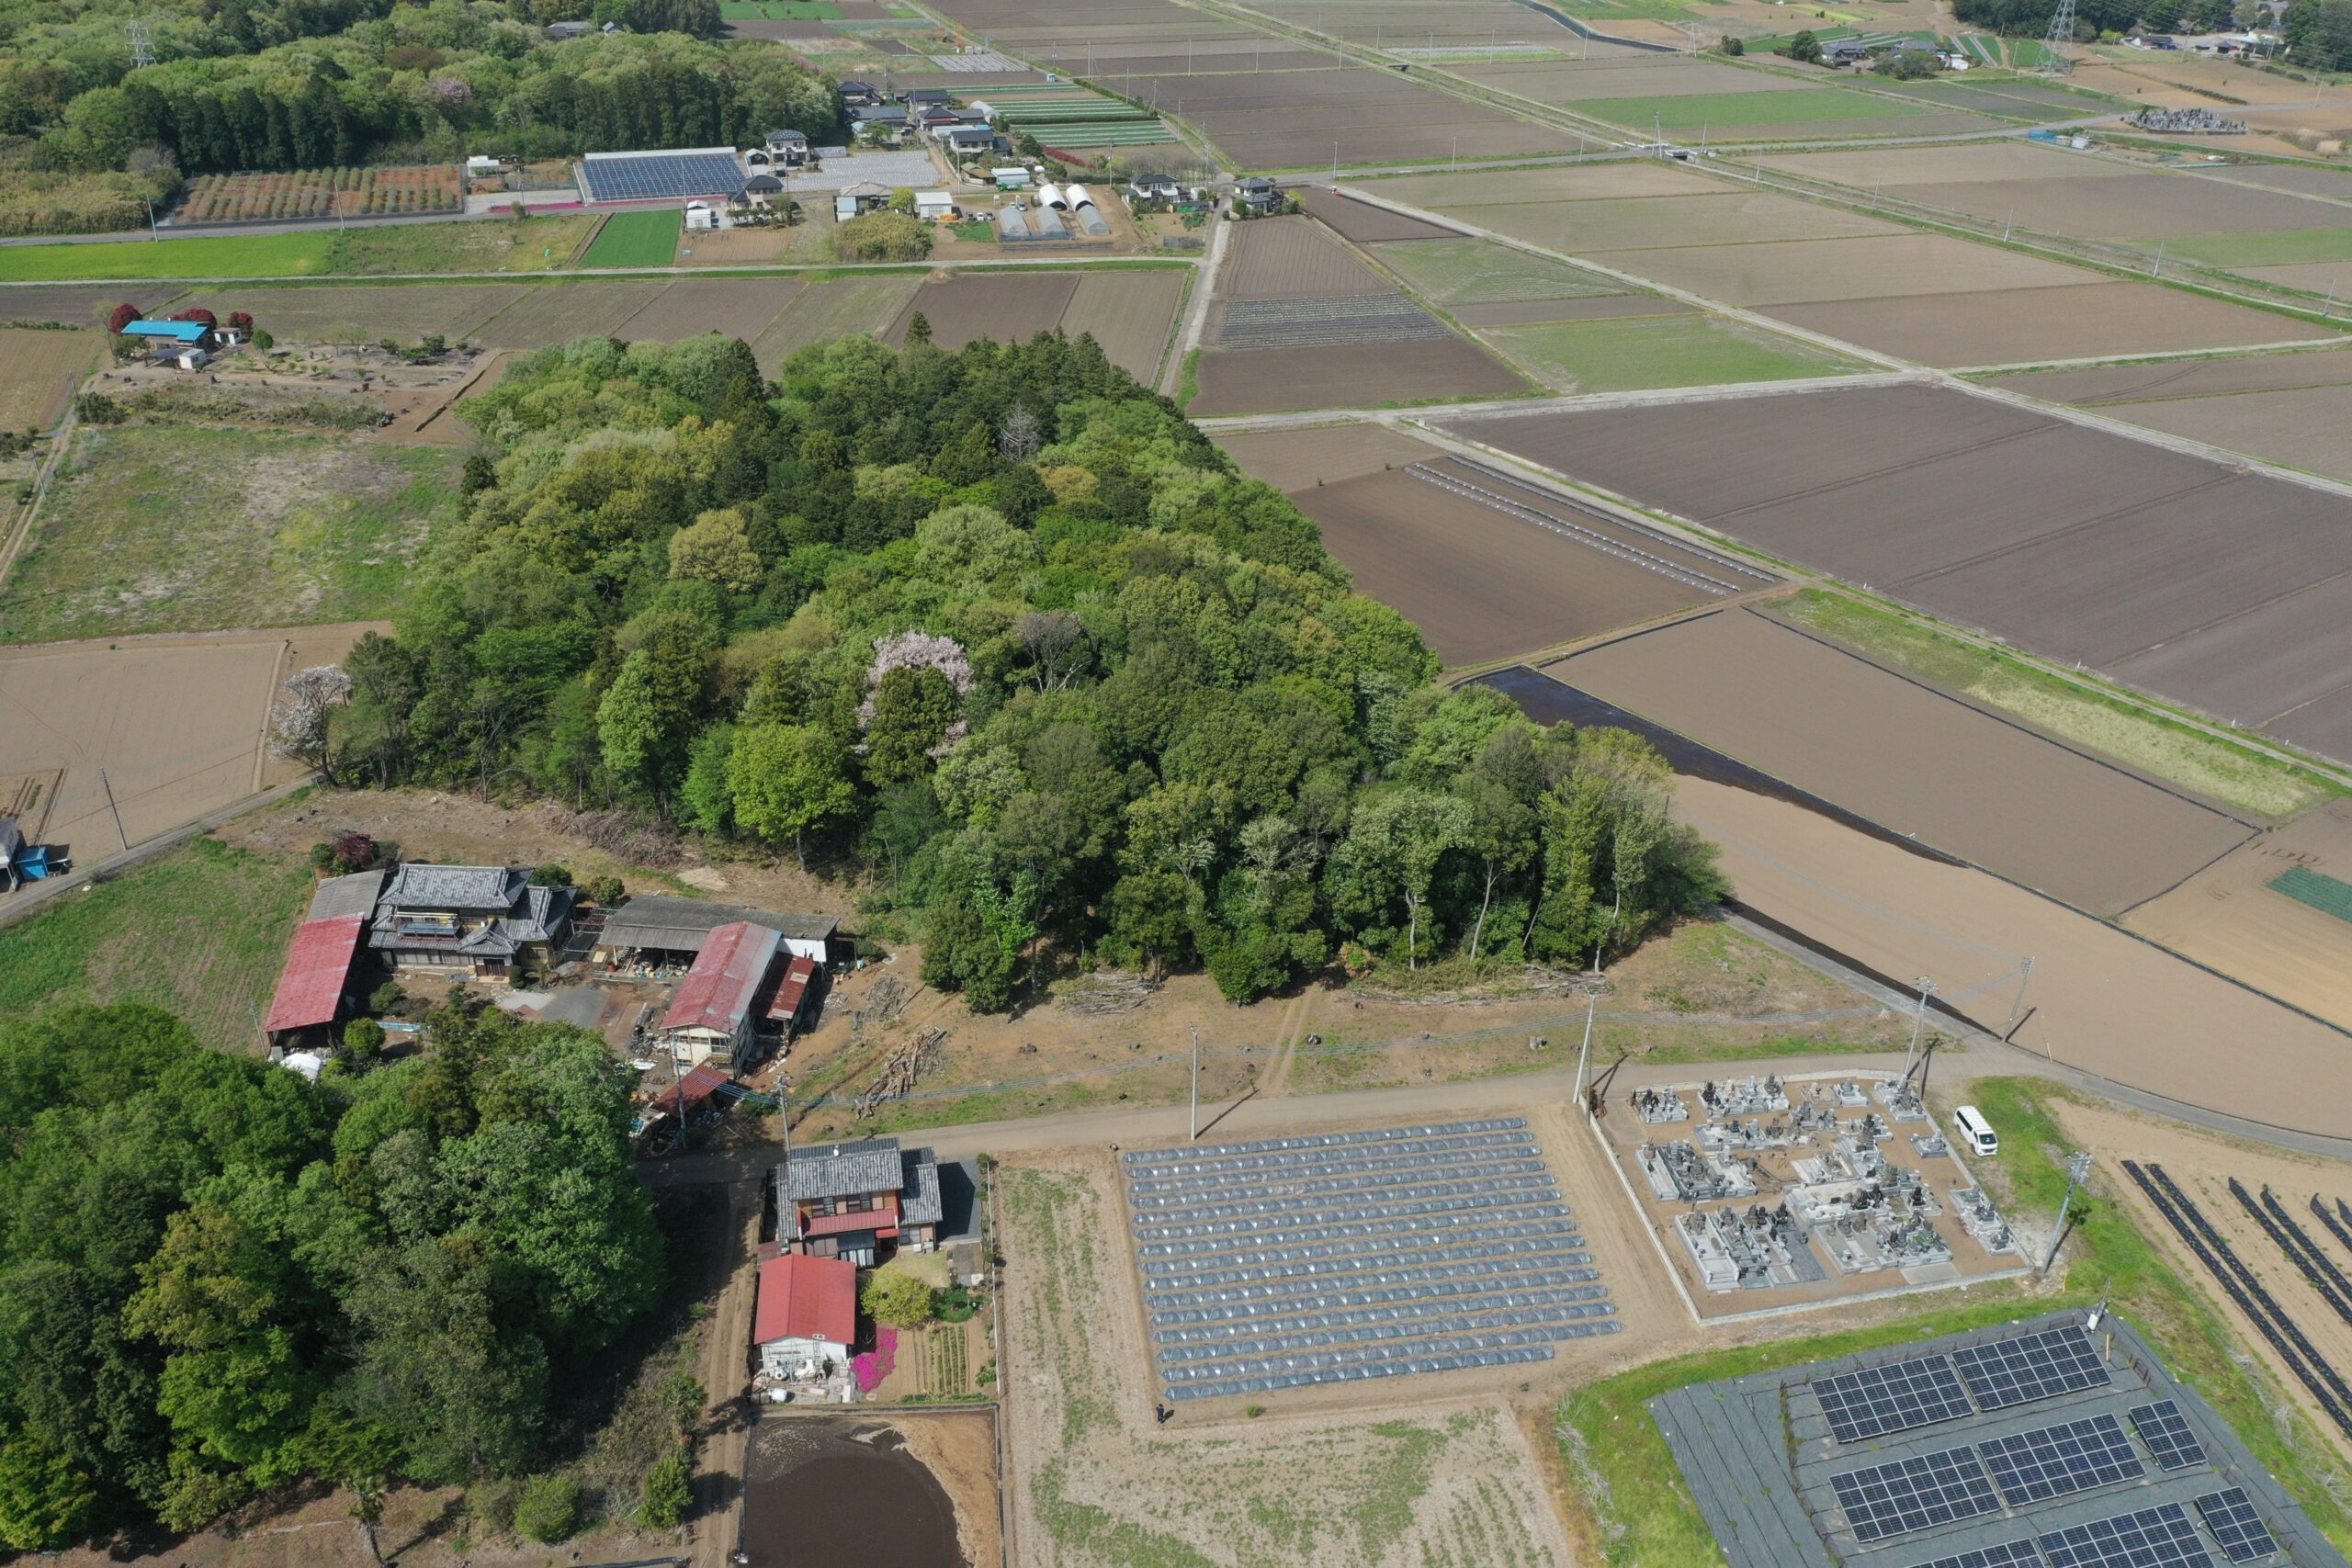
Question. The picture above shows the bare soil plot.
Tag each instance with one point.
(2101, 999)
(1902, 166)
(366, 312)
(2326, 277)
(1281, 258)
(2230, 916)
(1300, 460)
(2303, 179)
(2026, 325)
(1367, 374)
(2076, 543)
(1011, 307)
(738, 306)
(866, 303)
(1601, 306)
(2303, 428)
(1731, 218)
(78, 307)
(1590, 181)
(1129, 314)
(1480, 584)
(176, 722)
(1910, 758)
(2131, 205)
(2110, 385)
(39, 369)
(1893, 265)
(1256, 141)
(1363, 222)
(560, 313)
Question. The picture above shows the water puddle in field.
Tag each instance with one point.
(821, 1492)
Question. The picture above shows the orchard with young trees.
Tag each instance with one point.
(216, 1277)
(1005, 629)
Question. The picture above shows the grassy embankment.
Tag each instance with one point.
(2224, 769)
(1641, 1510)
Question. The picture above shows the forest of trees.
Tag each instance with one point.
(2030, 18)
(1007, 630)
(218, 1277)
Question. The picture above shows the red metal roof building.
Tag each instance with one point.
(318, 969)
(711, 1015)
(792, 993)
(807, 1316)
(693, 1091)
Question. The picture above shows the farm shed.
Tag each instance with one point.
(935, 205)
(848, 1199)
(807, 1316)
(792, 994)
(174, 333)
(712, 1016)
(655, 931)
(316, 981)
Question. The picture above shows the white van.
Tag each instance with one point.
(1974, 1131)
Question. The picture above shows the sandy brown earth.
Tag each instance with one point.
(738, 306)
(1897, 167)
(2229, 917)
(2099, 999)
(1281, 258)
(958, 1448)
(1910, 758)
(1360, 222)
(1794, 272)
(2201, 1167)
(1356, 375)
(1300, 460)
(1129, 313)
(2116, 386)
(1011, 307)
(2031, 326)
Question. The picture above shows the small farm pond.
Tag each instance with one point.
(821, 1492)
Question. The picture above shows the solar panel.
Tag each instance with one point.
(2006, 1554)
(1893, 1398)
(2029, 1366)
(2164, 1431)
(2230, 1515)
(1914, 1493)
(2160, 1536)
(2055, 1461)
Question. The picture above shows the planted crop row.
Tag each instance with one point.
(322, 193)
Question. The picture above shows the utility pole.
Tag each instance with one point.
(2078, 1170)
(1918, 1023)
(1584, 1051)
(2017, 1007)
(1196, 1083)
(113, 807)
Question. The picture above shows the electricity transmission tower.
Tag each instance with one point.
(141, 55)
(2062, 30)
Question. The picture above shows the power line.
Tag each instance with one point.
(141, 55)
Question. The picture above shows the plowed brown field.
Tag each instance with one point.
(1356, 375)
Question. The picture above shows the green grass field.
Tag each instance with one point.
(531, 244)
(1644, 1513)
(222, 915)
(2270, 247)
(1478, 272)
(778, 11)
(635, 239)
(2233, 774)
(1801, 106)
(190, 528)
(1628, 353)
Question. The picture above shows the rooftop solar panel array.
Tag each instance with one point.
(1348, 1256)
(657, 176)
(2056, 1461)
(1915, 1494)
(2000, 1555)
(1891, 1398)
(2027, 1367)
(2170, 1442)
(2160, 1536)
(2230, 1515)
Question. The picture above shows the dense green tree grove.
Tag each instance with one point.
(216, 1276)
(1013, 630)
(2030, 18)
(340, 82)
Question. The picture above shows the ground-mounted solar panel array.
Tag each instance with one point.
(2047, 1444)
(1345, 1257)
(659, 176)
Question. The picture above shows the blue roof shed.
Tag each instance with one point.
(170, 332)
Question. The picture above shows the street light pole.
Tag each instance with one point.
(1584, 1051)
(2078, 1170)
(1196, 1083)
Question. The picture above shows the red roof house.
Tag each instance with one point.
(318, 968)
(806, 1317)
(711, 1015)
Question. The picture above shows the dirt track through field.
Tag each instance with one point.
(1912, 759)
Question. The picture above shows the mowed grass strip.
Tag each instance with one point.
(504, 245)
(168, 529)
(1641, 1509)
(2267, 247)
(200, 930)
(1803, 105)
(2164, 748)
(1631, 353)
(1481, 272)
(635, 239)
